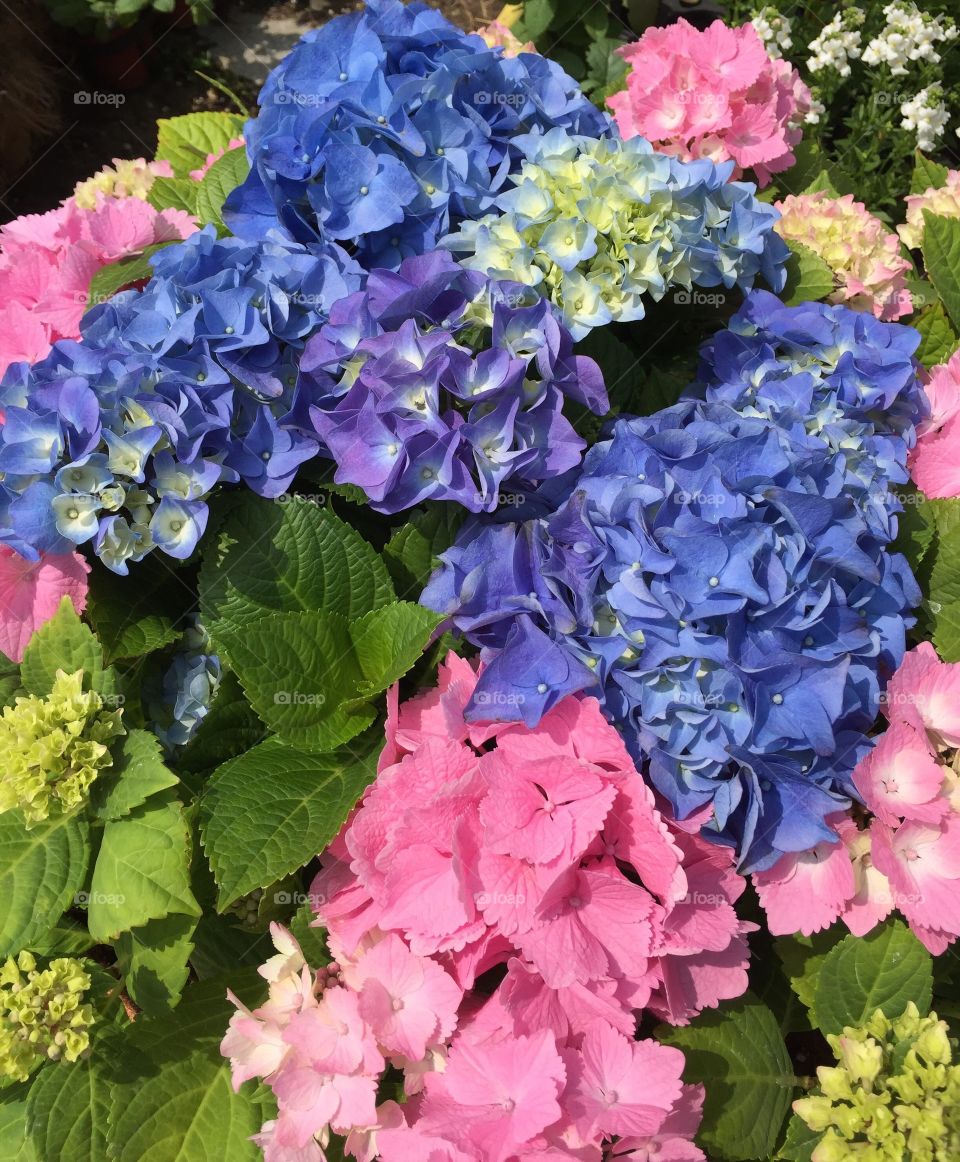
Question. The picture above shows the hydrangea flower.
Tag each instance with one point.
(935, 461)
(863, 255)
(32, 591)
(47, 262)
(942, 200)
(389, 126)
(907, 855)
(201, 171)
(188, 688)
(496, 34)
(719, 575)
(53, 748)
(535, 850)
(894, 1092)
(124, 179)
(597, 226)
(117, 440)
(713, 93)
(43, 1015)
(436, 383)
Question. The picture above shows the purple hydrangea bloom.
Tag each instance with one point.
(390, 126)
(435, 383)
(719, 575)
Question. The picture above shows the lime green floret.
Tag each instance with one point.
(894, 1095)
(52, 749)
(42, 1014)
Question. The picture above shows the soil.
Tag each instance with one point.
(109, 105)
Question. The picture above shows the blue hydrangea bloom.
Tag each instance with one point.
(116, 440)
(389, 126)
(187, 689)
(435, 383)
(719, 575)
(602, 226)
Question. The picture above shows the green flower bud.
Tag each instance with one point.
(42, 1014)
(52, 749)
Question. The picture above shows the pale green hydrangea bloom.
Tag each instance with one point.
(43, 1015)
(893, 1095)
(52, 749)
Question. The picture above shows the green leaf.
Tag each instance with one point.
(802, 957)
(15, 1146)
(740, 1055)
(297, 669)
(142, 871)
(388, 641)
(927, 174)
(67, 1110)
(312, 940)
(943, 579)
(137, 773)
(154, 961)
(63, 643)
(946, 635)
(941, 257)
(134, 619)
(800, 1141)
(808, 276)
(882, 970)
(9, 680)
(221, 179)
(269, 811)
(174, 194)
(172, 1100)
(821, 184)
(916, 528)
(40, 872)
(187, 141)
(291, 556)
(938, 338)
(536, 19)
(113, 278)
(66, 938)
(411, 553)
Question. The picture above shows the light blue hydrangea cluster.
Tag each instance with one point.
(601, 226)
(188, 688)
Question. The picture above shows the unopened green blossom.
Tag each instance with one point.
(43, 1015)
(893, 1095)
(52, 749)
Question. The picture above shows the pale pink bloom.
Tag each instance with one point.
(309, 1100)
(499, 35)
(23, 336)
(922, 863)
(635, 832)
(620, 1086)
(362, 1143)
(31, 593)
(873, 900)
(273, 1151)
(496, 1097)
(408, 1001)
(900, 778)
(201, 172)
(943, 201)
(413, 1145)
(925, 693)
(672, 1142)
(529, 1004)
(333, 1036)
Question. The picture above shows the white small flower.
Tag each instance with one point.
(774, 30)
(926, 115)
(908, 36)
(838, 43)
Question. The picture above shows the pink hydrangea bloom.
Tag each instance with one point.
(907, 856)
(496, 34)
(47, 262)
(713, 93)
(31, 592)
(944, 201)
(201, 172)
(124, 179)
(536, 851)
(863, 255)
(935, 460)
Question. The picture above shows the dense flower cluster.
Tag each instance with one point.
(774, 29)
(926, 115)
(935, 461)
(544, 855)
(32, 592)
(436, 383)
(390, 125)
(597, 226)
(908, 855)
(907, 37)
(838, 43)
(714, 93)
(131, 178)
(116, 440)
(187, 689)
(52, 748)
(943, 200)
(863, 255)
(496, 34)
(43, 1015)
(893, 1094)
(47, 262)
(719, 572)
